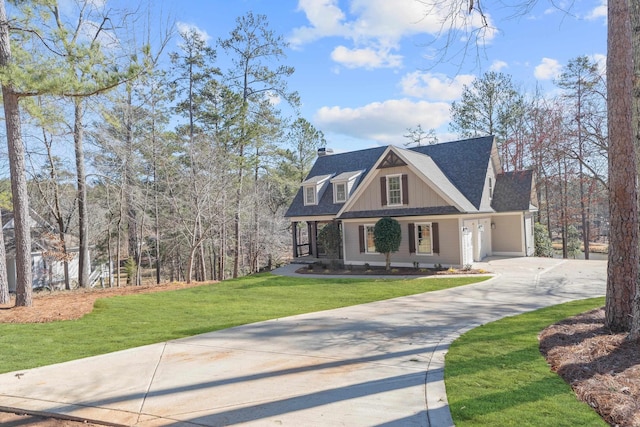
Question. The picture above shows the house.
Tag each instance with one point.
(453, 201)
(47, 260)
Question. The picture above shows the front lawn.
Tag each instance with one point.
(129, 321)
(496, 376)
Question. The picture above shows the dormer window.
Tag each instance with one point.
(340, 192)
(310, 195)
(313, 189)
(343, 184)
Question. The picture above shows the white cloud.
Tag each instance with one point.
(365, 58)
(380, 25)
(326, 20)
(434, 86)
(385, 122)
(498, 66)
(598, 12)
(184, 27)
(548, 69)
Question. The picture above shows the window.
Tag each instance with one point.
(394, 190)
(424, 243)
(424, 239)
(369, 244)
(340, 192)
(309, 195)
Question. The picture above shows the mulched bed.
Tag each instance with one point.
(68, 305)
(381, 271)
(602, 368)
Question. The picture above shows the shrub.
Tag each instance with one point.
(573, 242)
(544, 247)
(336, 265)
(330, 237)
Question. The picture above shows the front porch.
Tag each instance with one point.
(306, 247)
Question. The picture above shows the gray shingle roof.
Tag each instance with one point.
(513, 191)
(333, 164)
(463, 162)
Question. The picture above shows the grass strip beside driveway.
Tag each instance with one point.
(496, 376)
(122, 322)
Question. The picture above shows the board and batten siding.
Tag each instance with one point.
(449, 240)
(489, 187)
(420, 194)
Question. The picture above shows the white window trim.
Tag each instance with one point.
(366, 246)
(399, 176)
(315, 195)
(417, 240)
(335, 192)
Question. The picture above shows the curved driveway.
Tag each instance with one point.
(377, 364)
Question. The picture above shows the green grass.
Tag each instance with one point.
(496, 376)
(129, 321)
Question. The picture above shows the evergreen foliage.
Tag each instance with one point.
(387, 236)
(573, 242)
(544, 248)
(330, 237)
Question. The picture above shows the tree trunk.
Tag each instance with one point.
(129, 183)
(83, 220)
(4, 283)
(236, 216)
(157, 232)
(635, 41)
(20, 197)
(622, 270)
(584, 207)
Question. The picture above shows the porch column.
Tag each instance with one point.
(313, 239)
(294, 235)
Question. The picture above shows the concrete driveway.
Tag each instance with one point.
(378, 364)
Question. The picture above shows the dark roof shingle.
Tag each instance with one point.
(513, 191)
(463, 162)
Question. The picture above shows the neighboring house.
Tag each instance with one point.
(47, 266)
(454, 203)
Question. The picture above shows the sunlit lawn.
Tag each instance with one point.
(122, 322)
(496, 376)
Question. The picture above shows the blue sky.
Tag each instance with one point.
(367, 70)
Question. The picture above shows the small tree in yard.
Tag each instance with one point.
(573, 242)
(387, 236)
(330, 238)
(544, 248)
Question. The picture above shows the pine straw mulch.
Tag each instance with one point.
(602, 368)
(68, 305)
